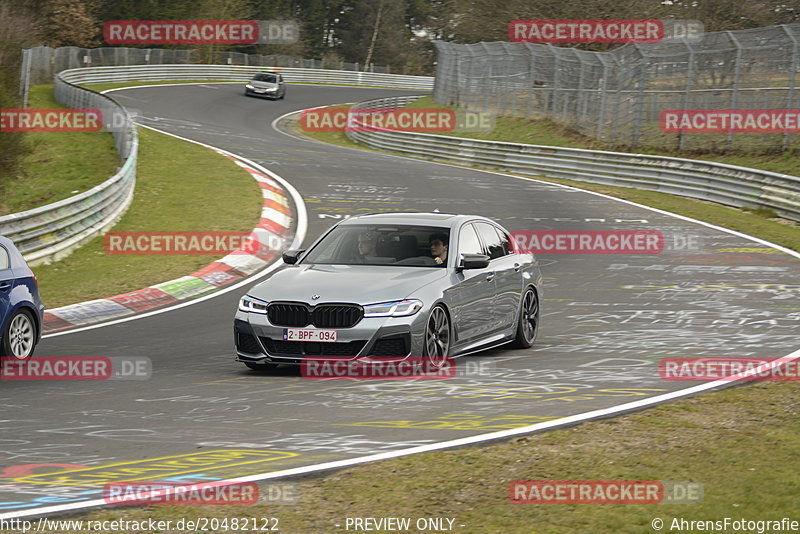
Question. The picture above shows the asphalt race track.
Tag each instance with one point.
(607, 321)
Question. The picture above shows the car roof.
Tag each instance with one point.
(16, 255)
(434, 219)
(7, 242)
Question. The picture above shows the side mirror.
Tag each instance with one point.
(473, 261)
(291, 256)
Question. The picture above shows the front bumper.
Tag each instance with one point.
(272, 94)
(389, 338)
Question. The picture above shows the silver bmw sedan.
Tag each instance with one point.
(391, 286)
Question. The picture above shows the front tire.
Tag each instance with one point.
(19, 336)
(437, 336)
(528, 323)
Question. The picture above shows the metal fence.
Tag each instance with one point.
(51, 232)
(41, 63)
(717, 182)
(617, 96)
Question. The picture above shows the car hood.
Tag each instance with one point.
(263, 85)
(361, 284)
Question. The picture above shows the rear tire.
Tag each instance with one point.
(19, 336)
(528, 323)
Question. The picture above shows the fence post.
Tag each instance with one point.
(580, 90)
(531, 76)
(736, 72)
(25, 77)
(639, 104)
(793, 79)
(556, 80)
(689, 83)
(603, 89)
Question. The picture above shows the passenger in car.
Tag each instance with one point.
(439, 244)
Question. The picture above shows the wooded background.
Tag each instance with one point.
(398, 33)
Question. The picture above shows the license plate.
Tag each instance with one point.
(310, 334)
(261, 90)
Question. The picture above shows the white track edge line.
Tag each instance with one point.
(459, 442)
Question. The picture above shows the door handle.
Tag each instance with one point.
(4, 285)
(517, 267)
(489, 276)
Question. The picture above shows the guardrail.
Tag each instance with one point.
(730, 185)
(240, 73)
(51, 232)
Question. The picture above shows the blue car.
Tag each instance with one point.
(21, 309)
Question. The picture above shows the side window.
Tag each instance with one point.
(468, 242)
(505, 241)
(5, 261)
(492, 241)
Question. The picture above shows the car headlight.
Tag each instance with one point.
(395, 308)
(252, 305)
(248, 86)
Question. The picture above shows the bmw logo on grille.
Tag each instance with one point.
(314, 297)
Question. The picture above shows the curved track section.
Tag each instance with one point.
(607, 321)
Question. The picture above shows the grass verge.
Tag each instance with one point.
(60, 164)
(762, 224)
(547, 132)
(180, 186)
(178, 183)
(718, 440)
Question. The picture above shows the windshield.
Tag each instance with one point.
(415, 246)
(271, 78)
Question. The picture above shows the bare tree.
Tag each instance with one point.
(374, 35)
